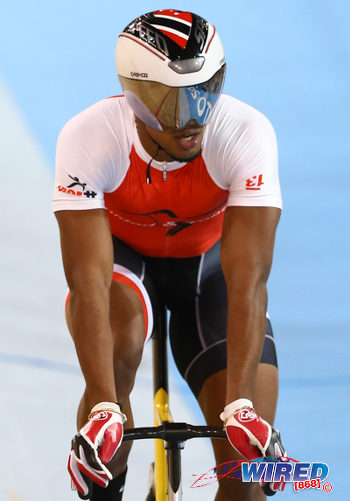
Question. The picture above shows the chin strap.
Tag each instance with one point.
(148, 170)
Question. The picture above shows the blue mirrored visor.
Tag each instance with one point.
(163, 107)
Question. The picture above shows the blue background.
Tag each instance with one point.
(289, 59)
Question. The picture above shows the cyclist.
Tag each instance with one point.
(169, 193)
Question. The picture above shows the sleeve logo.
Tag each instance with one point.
(254, 183)
(76, 182)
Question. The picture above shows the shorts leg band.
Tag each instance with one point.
(269, 355)
(127, 277)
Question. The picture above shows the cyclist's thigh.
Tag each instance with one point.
(198, 326)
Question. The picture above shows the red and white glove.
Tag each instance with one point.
(252, 436)
(95, 445)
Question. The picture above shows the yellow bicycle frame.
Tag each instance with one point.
(161, 414)
(172, 435)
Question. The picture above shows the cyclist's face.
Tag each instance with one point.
(179, 144)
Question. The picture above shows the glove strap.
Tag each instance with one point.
(235, 406)
(107, 406)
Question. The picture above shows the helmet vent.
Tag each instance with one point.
(183, 66)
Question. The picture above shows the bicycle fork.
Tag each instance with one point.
(168, 454)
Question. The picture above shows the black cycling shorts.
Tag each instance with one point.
(194, 291)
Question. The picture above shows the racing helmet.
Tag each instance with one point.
(171, 67)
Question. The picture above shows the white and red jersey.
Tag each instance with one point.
(101, 163)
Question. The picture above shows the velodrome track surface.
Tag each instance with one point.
(290, 61)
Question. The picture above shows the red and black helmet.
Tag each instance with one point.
(171, 66)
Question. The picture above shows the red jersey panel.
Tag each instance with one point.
(101, 164)
(181, 216)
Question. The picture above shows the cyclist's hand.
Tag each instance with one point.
(95, 445)
(252, 436)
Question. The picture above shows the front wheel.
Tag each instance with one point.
(267, 490)
(151, 496)
(174, 472)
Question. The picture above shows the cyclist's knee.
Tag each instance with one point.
(128, 328)
(126, 363)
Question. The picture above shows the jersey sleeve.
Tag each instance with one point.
(246, 156)
(87, 156)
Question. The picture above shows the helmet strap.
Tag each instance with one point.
(148, 170)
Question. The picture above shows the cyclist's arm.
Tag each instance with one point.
(246, 255)
(87, 254)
